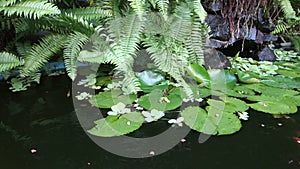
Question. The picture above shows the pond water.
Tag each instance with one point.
(43, 119)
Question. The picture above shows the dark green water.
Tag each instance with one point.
(43, 118)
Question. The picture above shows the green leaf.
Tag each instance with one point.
(154, 100)
(109, 98)
(199, 73)
(229, 124)
(282, 82)
(246, 77)
(222, 77)
(273, 107)
(234, 105)
(117, 126)
(194, 117)
(9, 61)
(150, 78)
(214, 122)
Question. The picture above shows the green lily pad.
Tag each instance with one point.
(214, 122)
(150, 78)
(222, 77)
(247, 77)
(117, 125)
(199, 73)
(234, 105)
(109, 98)
(282, 82)
(273, 107)
(157, 100)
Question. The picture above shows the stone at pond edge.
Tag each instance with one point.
(215, 59)
(266, 55)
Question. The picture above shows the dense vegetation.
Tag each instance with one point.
(155, 49)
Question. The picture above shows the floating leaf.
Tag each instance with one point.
(273, 107)
(213, 122)
(150, 78)
(234, 105)
(109, 98)
(246, 77)
(199, 73)
(117, 125)
(223, 77)
(154, 100)
(282, 82)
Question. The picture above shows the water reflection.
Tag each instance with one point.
(43, 119)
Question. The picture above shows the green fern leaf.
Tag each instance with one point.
(9, 61)
(72, 48)
(199, 10)
(31, 9)
(163, 6)
(287, 8)
(89, 13)
(40, 53)
(138, 6)
(6, 3)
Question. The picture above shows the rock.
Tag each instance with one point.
(266, 55)
(214, 6)
(219, 27)
(215, 59)
(264, 24)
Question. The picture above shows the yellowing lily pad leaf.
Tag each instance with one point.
(117, 125)
(109, 98)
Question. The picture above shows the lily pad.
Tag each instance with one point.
(109, 98)
(214, 122)
(222, 77)
(234, 105)
(117, 125)
(199, 73)
(157, 100)
(273, 107)
(150, 78)
(282, 82)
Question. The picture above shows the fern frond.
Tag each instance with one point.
(196, 41)
(23, 48)
(9, 61)
(180, 22)
(42, 52)
(72, 47)
(63, 24)
(281, 27)
(138, 6)
(163, 6)
(199, 10)
(7, 3)
(89, 13)
(287, 8)
(125, 47)
(170, 57)
(31, 9)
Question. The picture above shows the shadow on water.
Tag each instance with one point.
(43, 118)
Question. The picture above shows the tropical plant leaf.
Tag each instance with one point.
(9, 61)
(31, 9)
(74, 44)
(117, 126)
(40, 53)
